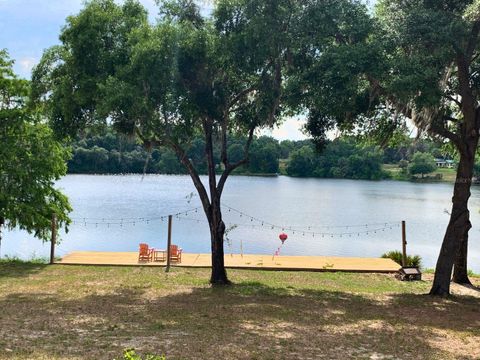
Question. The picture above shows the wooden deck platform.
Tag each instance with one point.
(293, 263)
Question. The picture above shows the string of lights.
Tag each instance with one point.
(301, 227)
(303, 232)
(127, 220)
(254, 223)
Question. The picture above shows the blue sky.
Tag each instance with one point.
(27, 27)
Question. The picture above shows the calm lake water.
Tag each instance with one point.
(316, 206)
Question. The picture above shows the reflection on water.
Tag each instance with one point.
(322, 205)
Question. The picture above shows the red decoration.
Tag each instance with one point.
(282, 237)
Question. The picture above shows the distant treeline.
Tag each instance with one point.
(109, 153)
(346, 157)
(341, 158)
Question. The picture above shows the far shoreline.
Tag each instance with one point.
(277, 175)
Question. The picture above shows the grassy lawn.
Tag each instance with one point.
(75, 312)
(448, 175)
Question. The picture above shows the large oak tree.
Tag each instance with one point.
(433, 52)
(220, 76)
(187, 75)
(415, 60)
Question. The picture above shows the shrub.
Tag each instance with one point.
(395, 255)
(422, 163)
(16, 260)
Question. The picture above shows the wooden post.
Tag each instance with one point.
(54, 238)
(404, 244)
(169, 242)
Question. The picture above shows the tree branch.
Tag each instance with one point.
(224, 126)
(231, 167)
(239, 96)
(181, 154)
(456, 101)
(442, 131)
(202, 192)
(451, 118)
(212, 180)
(468, 101)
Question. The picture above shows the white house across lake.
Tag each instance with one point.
(443, 163)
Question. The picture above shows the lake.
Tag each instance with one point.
(116, 213)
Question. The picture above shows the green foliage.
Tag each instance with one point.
(421, 54)
(31, 160)
(328, 65)
(403, 164)
(130, 354)
(143, 76)
(301, 162)
(264, 155)
(109, 153)
(397, 256)
(169, 164)
(342, 158)
(422, 163)
(407, 147)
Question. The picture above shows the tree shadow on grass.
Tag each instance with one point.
(18, 268)
(247, 320)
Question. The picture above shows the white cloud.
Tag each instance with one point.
(290, 129)
(27, 63)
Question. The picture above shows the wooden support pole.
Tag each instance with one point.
(53, 239)
(169, 242)
(404, 244)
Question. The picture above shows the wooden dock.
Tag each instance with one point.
(288, 263)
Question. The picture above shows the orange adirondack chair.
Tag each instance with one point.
(175, 253)
(145, 253)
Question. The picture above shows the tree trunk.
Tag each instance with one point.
(459, 223)
(460, 271)
(217, 231)
(214, 213)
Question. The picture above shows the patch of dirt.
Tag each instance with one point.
(458, 289)
(465, 290)
(461, 347)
